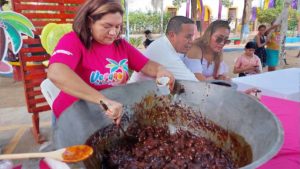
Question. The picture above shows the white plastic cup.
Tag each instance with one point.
(163, 85)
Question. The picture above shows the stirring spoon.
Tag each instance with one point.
(70, 154)
(130, 138)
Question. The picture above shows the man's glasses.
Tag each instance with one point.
(220, 40)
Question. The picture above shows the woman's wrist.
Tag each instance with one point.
(160, 67)
(101, 99)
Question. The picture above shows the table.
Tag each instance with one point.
(283, 83)
(288, 113)
(281, 94)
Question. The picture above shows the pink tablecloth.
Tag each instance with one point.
(288, 112)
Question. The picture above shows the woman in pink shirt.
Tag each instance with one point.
(248, 63)
(94, 57)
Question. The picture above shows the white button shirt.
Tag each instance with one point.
(162, 52)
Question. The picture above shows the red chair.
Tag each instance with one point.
(32, 54)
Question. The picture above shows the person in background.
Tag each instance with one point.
(93, 57)
(261, 41)
(204, 59)
(273, 46)
(148, 40)
(248, 63)
(169, 49)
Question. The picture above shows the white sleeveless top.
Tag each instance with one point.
(201, 66)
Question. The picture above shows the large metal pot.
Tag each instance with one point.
(224, 106)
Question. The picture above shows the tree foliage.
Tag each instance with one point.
(227, 3)
(293, 19)
(136, 42)
(140, 21)
(268, 15)
(177, 3)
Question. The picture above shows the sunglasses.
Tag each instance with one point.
(220, 40)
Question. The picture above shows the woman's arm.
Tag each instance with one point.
(223, 77)
(69, 82)
(237, 70)
(269, 30)
(195, 53)
(200, 76)
(259, 44)
(154, 69)
(259, 67)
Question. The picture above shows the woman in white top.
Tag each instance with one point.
(204, 59)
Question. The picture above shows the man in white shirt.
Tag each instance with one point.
(168, 49)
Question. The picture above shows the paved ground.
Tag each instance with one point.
(15, 122)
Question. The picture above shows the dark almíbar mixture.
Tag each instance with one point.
(157, 148)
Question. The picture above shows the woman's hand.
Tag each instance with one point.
(112, 109)
(155, 70)
(162, 72)
(224, 77)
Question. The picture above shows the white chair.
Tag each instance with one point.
(49, 91)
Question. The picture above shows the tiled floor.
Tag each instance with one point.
(15, 130)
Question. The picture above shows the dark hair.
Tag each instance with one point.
(147, 32)
(204, 41)
(91, 11)
(250, 45)
(261, 26)
(175, 23)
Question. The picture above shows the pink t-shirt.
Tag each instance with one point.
(101, 66)
(244, 61)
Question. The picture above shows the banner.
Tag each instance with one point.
(254, 13)
(266, 4)
(201, 9)
(220, 9)
(269, 4)
(272, 4)
(294, 4)
(188, 4)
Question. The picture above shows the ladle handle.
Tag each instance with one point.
(22, 156)
(53, 154)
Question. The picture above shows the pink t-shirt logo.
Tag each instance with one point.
(118, 73)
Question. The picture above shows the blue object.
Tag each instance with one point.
(292, 39)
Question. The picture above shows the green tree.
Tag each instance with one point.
(227, 3)
(268, 15)
(139, 21)
(177, 3)
(293, 20)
